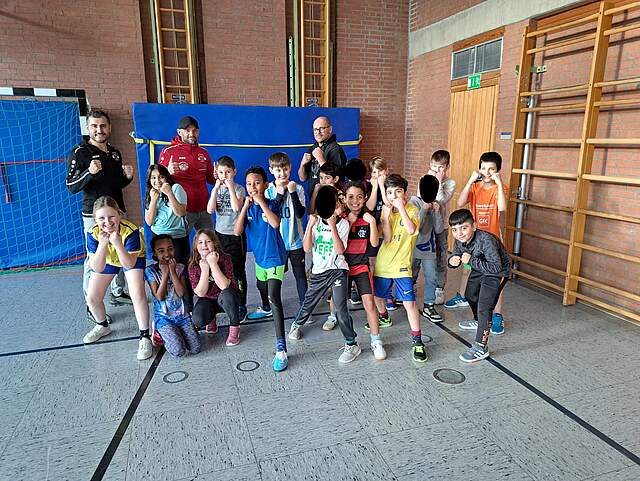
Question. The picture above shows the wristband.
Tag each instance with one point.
(466, 266)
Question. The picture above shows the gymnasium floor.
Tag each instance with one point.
(558, 401)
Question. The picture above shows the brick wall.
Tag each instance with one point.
(246, 52)
(79, 45)
(428, 104)
(371, 70)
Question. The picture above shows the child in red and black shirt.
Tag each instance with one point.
(363, 234)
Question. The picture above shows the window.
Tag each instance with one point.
(477, 59)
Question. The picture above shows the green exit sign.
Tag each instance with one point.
(473, 81)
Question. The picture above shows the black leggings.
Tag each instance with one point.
(181, 249)
(482, 293)
(296, 257)
(236, 247)
(205, 309)
(271, 289)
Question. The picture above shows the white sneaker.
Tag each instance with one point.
(378, 350)
(350, 353)
(468, 325)
(96, 333)
(330, 323)
(295, 333)
(439, 296)
(145, 348)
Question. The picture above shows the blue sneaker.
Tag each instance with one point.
(259, 313)
(280, 361)
(455, 302)
(391, 305)
(497, 324)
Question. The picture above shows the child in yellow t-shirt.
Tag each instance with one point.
(400, 225)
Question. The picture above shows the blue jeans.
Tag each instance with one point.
(429, 272)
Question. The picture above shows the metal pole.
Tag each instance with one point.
(296, 56)
(291, 73)
(522, 189)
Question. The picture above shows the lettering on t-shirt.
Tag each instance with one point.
(324, 247)
(484, 213)
(223, 203)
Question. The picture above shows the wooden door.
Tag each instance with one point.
(472, 126)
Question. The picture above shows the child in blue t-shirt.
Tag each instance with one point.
(261, 219)
(291, 214)
(167, 280)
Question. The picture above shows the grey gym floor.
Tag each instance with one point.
(559, 401)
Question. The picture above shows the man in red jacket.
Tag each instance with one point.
(191, 167)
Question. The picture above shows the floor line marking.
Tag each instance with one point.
(549, 400)
(107, 457)
(131, 338)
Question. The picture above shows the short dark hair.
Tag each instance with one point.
(279, 159)
(441, 157)
(97, 113)
(461, 216)
(396, 180)
(226, 161)
(491, 157)
(329, 168)
(256, 169)
(358, 184)
(154, 240)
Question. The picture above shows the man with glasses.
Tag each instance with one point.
(325, 149)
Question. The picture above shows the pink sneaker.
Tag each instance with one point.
(234, 336)
(212, 327)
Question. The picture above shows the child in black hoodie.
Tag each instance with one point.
(484, 254)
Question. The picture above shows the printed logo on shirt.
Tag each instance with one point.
(403, 269)
(338, 283)
(264, 217)
(183, 166)
(115, 156)
(223, 206)
(324, 247)
(362, 232)
(201, 158)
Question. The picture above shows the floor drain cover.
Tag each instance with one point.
(247, 366)
(175, 377)
(449, 376)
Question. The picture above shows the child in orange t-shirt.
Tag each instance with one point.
(486, 195)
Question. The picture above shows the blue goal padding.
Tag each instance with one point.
(40, 222)
(270, 127)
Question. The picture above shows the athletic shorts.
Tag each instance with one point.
(264, 275)
(363, 283)
(141, 263)
(404, 288)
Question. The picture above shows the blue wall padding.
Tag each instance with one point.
(41, 223)
(235, 124)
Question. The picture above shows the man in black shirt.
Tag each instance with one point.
(95, 168)
(325, 149)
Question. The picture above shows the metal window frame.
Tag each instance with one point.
(474, 48)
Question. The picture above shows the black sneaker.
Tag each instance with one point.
(419, 352)
(429, 311)
(121, 300)
(355, 297)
